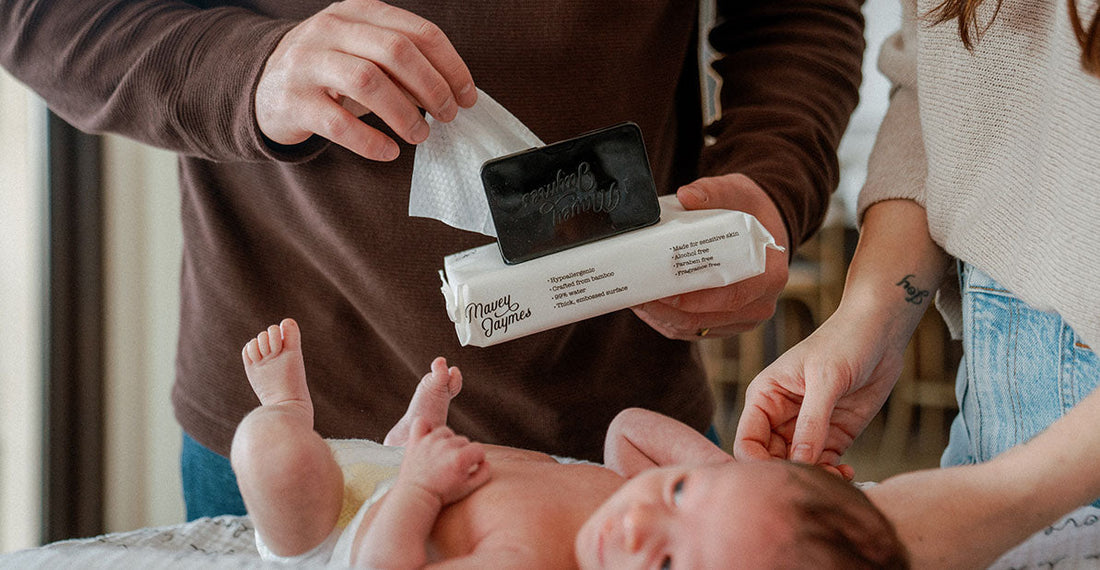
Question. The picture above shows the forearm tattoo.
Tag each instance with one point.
(913, 294)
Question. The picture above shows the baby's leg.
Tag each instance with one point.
(430, 402)
(290, 482)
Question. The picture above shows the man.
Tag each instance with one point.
(287, 116)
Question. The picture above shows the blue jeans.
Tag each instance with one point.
(712, 435)
(209, 485)
(1022, 369)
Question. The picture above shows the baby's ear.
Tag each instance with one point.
(844, 471)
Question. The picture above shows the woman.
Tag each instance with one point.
(989, 154)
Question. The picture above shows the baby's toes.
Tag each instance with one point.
(264, 344)
(454, 381)
(251, 352)
(274, 339)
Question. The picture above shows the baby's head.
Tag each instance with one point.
(771, 514)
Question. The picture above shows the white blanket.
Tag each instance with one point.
(1073, 542)
(215, 543)
(228, 542)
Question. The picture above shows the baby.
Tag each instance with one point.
(464, 504)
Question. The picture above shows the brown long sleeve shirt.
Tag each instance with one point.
(317, 233)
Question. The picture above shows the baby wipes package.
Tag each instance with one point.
(492, 302)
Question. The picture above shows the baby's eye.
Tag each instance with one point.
(677, 491)
(666, 564)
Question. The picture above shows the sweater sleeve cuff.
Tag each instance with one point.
(244, 42)
(898, 167)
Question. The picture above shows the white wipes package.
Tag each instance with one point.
(446, 177)
(491, 302)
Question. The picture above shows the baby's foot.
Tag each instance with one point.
(275, 366)
(430, 402)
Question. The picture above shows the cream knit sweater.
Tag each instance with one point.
(1002, 147)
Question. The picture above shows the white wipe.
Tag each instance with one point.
(446, 177)
(491, 302)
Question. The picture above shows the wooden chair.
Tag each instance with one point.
(926, 385)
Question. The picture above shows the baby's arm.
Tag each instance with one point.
(439, 468)
(966, 517)
(639, 439)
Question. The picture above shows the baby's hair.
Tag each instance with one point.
(838, 526)
(971, 30)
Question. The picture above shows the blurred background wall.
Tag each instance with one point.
(22, 222)
(140, 272)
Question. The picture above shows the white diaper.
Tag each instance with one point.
(369, 470)
(341, 550)
(322, 553)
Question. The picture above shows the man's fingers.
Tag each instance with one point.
(331, 121)
(680, 325)
(400, 61)
(750, 299)
(433, 44)
(440, 54)
(370, 86)
(355, 57)
(671, 312)
(716, 192)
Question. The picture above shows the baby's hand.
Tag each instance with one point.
(446, 465)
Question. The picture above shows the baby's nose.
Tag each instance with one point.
(638, 525)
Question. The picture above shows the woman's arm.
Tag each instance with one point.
(811, 403)
(898, 166)
(968, 516)
(815, 399)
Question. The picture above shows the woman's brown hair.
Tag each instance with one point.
(970, 30)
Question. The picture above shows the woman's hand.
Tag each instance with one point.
(812, 402)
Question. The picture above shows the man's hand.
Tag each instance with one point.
(738, 307)
(355, 57)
